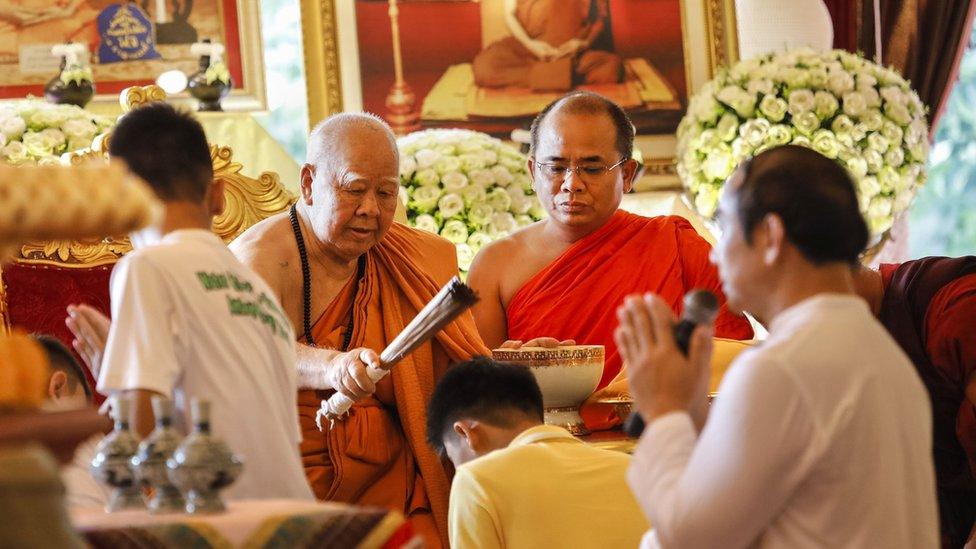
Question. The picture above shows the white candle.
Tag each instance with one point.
(161, 11)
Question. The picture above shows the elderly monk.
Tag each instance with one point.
(929, 307)
(350, 279)
(555, 45)
(564, 276)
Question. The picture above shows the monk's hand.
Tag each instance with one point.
(543, 50)
(661, 378)
(90, 328)
(570, 47)
(348, 373)
(546, 342)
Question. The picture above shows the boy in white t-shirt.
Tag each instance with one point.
(189, 320)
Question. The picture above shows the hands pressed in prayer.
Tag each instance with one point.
(348, 372)
(546, 342)
(661, 378)
(543, 50)
(90, 328)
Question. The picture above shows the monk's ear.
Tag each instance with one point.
(631, 170)
(307, 176)
(774, 237)
(530, 167)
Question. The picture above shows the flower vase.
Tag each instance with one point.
(112, 466)
(206, 89)
(72, 92)
(203, 465)
(149, 462)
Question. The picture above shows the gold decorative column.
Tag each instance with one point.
(401, 99)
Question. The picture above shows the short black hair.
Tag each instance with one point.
(62, 360)
(813, 195)
(587, 102)
(485, 390)
(167, 148)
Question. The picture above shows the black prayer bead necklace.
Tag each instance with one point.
(307, 286)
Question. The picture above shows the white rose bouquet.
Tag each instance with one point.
(861, 114)
(466, 186)
(35, 131)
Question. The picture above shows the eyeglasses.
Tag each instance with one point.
(585, 171)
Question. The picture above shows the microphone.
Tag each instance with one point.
(701, 307)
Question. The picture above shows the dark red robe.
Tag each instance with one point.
(929, 306)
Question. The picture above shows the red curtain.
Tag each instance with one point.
(923, 39)
(844, 14)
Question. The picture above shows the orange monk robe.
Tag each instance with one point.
(378, 455)
(577, 295)
(508, 63)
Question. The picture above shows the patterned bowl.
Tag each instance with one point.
(567, 376)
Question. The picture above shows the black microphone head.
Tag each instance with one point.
(701, 307)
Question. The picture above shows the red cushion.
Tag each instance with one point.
(37, 296)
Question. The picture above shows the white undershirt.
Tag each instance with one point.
(821, 437)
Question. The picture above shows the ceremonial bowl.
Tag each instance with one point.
(566, 375)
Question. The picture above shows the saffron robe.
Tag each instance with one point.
(929, 307)
(508, 63)
(378, 455)
(577, 295)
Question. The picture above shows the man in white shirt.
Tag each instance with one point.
(520, 483)
(189, 320)
(821, 436)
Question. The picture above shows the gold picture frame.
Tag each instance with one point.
(235, 23)
(708, 34)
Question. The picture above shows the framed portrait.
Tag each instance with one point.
(130, 42)
(456, 63)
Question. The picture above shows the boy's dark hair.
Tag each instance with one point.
(167, 148)
(587, 102)
(813, 195)
(62, 360)
(484, 390)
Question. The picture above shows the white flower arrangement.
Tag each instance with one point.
(861, 114)
(466, 186)
(217, 71)
(35, 131)
(76, 73)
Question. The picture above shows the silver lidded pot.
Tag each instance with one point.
(149, 463)
(203, 465)
(112, 465)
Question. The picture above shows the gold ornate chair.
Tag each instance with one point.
(45, 277)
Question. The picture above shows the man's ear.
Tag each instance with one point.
(469, 433)
(57, 385)
(774, 238)
(306, 176)
(216, 197)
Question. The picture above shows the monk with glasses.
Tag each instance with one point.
(561, 279)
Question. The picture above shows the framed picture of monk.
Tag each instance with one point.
(492, 65)
(130, 42)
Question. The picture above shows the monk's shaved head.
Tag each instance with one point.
(340, 135)
(592, 104)
(349, 183)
